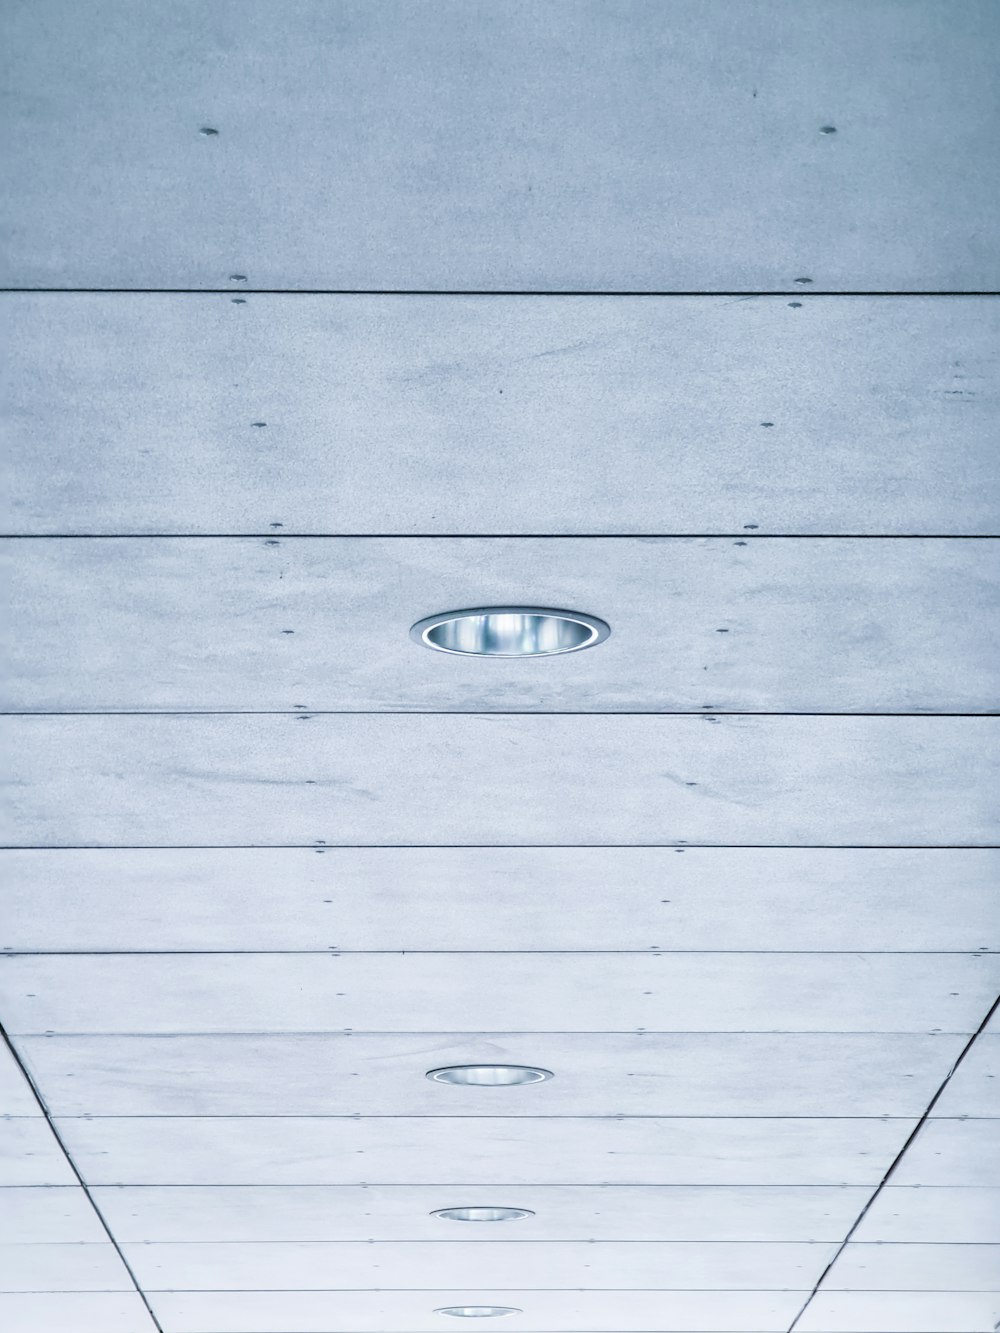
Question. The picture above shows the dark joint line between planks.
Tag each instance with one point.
(794, 291)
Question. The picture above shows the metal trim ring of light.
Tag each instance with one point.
(482, 1213)
(489, 1076)
(510, 631)
(478, 1311)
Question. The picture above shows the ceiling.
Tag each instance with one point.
(329, 315)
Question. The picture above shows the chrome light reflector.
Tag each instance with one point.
(482, 1213)
(510, 631)
(488, 1076)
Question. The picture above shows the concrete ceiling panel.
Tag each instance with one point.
(497, 992)
(543, 1311)
(315, 624)
(503, 415)
(458, 898)
(481, 1152)
(908, 1214)
(630, 146)
(601, 1074)
(559, 1265)
(901, 1312)
(292, 1214)
(80, 1311)
(482, 779)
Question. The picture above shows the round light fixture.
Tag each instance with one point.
(510, 631)
(489, 1076)
(478, 1311)
(481, 1213)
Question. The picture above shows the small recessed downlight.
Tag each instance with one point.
(482, 1213)
(489, 1076)
(510, 631)
(478, 1311)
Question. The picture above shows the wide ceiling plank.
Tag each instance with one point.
(914, 1266)
(472, 780)
(502, 1151)
(627, 145)
(965, 1215)
(602, 1074)
(28, 1267)
(459, 898)
(53, 1214)
(29, 1155)
(899, 1312)
(498, 992)
(81, 1311)
(264, 624)
(550, 1311)
(16, 1098)
(576, 1265)
(973, 1090)
(405, 1213)
(953, 1152)
(501, 415)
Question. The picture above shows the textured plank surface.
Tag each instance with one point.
(502, 414)
(83, 1312)
(464, 145)
(483, 1151)
(73, 1267)
(15, 1095)
(968, 1215)
(901, 1312)
(419, 898)
(29, 1154)
(916, 1267)
(974, 1089)
(953, 1152)
(768, 626)
(597, 1074)
(580, 1266)
(550, 1311)
(489, 779)
(59, 1215)
(405, 1213)
(492, 992)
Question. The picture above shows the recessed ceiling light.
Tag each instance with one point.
(489, 1076)
(510, 631)
(478, 1311)
(481, 1213)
